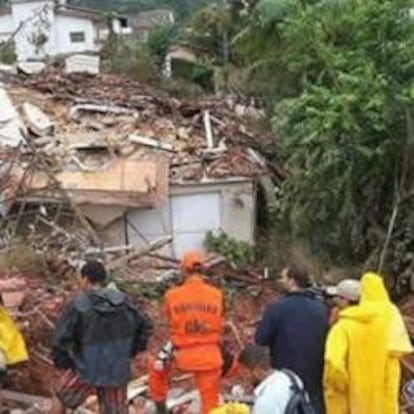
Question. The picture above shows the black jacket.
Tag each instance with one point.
(97, 336)
(295, 329)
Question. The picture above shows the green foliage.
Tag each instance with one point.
(239, 253)
(344, 128)
(8, 52)
(129, 57)
(209, 31)
(160, 40)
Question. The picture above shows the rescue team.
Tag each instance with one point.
(307, 359)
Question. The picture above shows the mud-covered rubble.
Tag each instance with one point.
(112, 129)
(84, 124)
(121, 109)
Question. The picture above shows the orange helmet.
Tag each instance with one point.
(192, 259)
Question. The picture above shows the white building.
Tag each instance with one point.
(42, 28)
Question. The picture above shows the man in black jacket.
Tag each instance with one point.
(94, 341)
(295, 328)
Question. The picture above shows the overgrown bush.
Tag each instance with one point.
(8, 52)
(237, 252)
(160, 40)
(129, 57)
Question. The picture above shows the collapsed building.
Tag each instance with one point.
(136, 165)
(101, 166)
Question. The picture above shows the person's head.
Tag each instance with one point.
(294, 278)
(192, 262)
(347, 293)
(93, 273)
(254, 363)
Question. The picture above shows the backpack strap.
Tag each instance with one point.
(294, 380)
(300, 398)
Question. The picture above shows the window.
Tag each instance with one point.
(77, 37)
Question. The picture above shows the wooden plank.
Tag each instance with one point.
(151, 142)
(44, 404)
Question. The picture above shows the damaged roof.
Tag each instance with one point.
(110, 140)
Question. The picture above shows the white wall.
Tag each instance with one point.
(28, 13)
(195, 209)
(6, 27)
(64, 25)
(57, 29)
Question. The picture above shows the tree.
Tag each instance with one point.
(343, 123)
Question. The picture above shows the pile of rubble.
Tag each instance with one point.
(71, 139)
(63, 134)
(201, 138)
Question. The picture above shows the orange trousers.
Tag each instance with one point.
(207, 383)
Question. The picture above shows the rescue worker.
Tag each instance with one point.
(94, 341)
(346, 293)
(399, 345)
(295, 328)
(361, 375)
(12, 346)
(195, 315)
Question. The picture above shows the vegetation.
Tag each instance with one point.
(129, 57)
(336, 78)
(239, 253)
(8, 52)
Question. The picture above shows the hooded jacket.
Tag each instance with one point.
(11, 341)
(398, 344)
(360, 375)
(97, 336)
(195, 316)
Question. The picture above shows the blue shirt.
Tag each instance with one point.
(295, 329)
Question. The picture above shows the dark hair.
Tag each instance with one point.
(253, 356)
(94, 271)
(300, 275)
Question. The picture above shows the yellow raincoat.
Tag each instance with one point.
(399, 345)
(232, 408)
(356, 356)
(378, 366)
(11, 340)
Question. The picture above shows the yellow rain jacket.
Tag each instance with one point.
(399, 345)
(11, 340)
(356, 356)
(231, 408)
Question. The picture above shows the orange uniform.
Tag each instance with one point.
(195, 314)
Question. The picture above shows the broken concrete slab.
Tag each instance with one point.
(10, 69)
(38, 122)
(82, 64)
(30, 68)
(12, 130)
(76, 110)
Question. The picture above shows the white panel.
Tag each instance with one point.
(152, 224)
(192, 216)
(196, 212)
